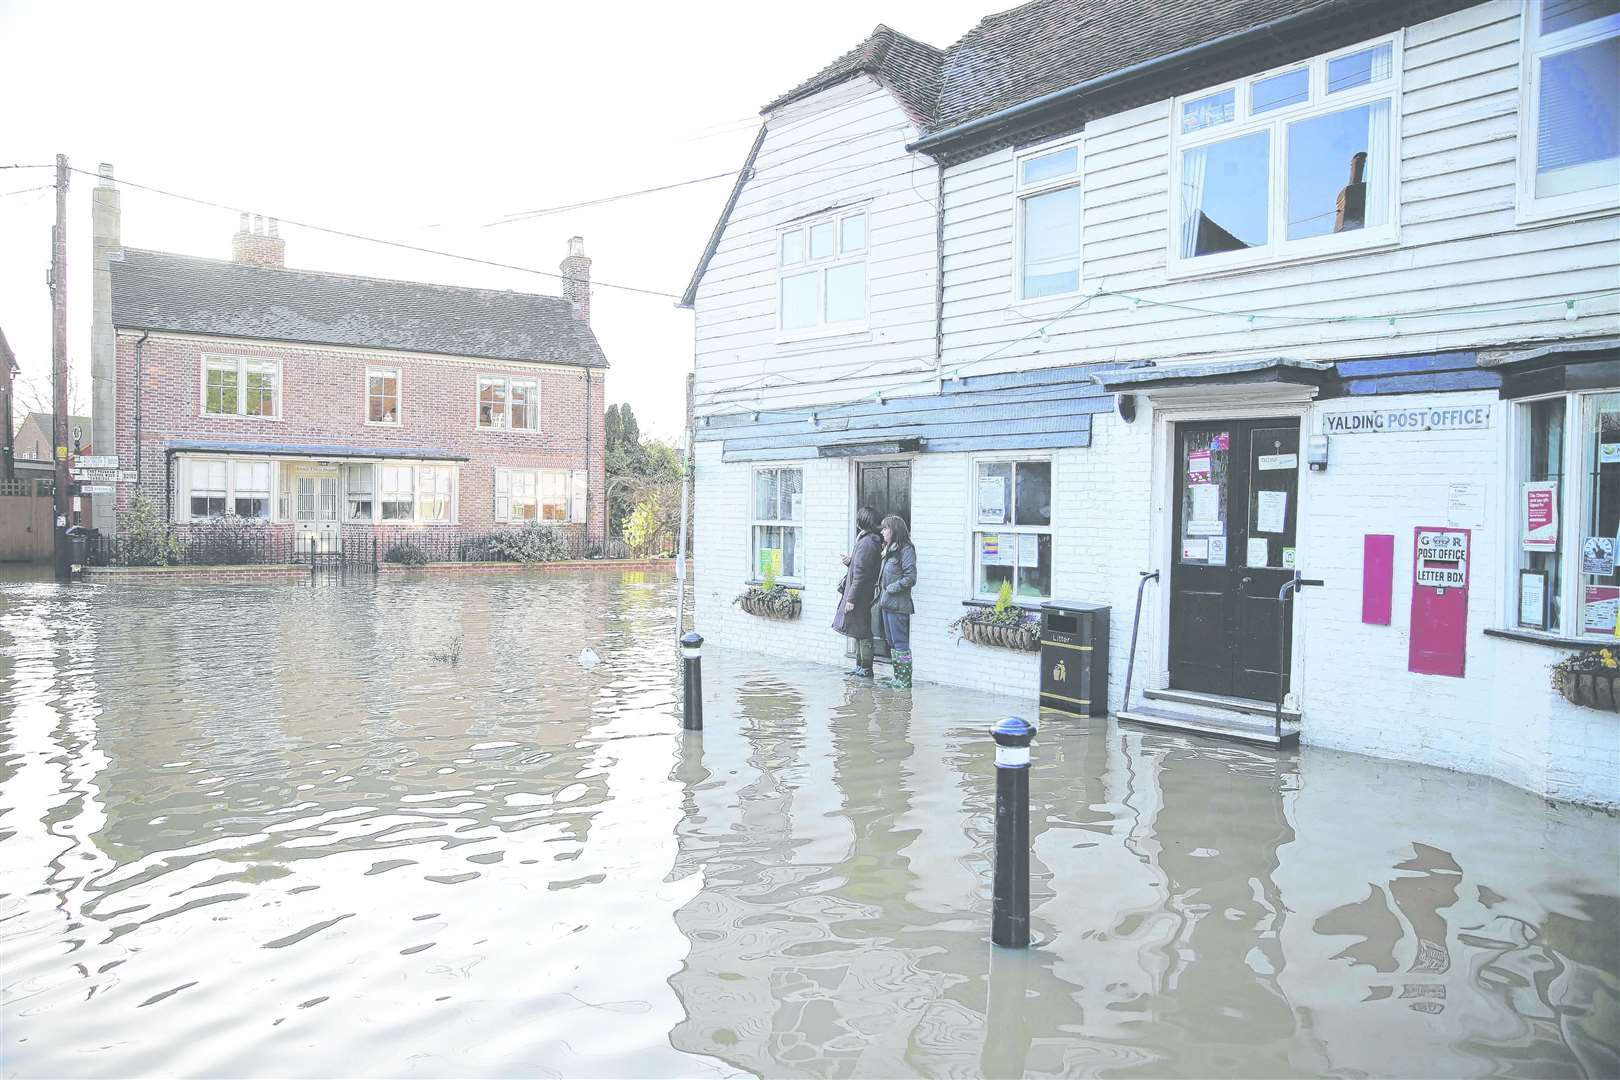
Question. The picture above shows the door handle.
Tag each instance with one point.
(1244, 583)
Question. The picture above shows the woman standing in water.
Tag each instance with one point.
(896, 579)
(854, 618)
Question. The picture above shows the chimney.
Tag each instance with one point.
(1351, 207)
(576, 286)
(256, 247)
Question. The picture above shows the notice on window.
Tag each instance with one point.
(1271, 511)
(1222, 441)
(1259, 551)
(1195, 550)
(1600, 604)
(1204, 518)
(1533, 599)
(1217, 550)
(770, 562)
(1538, 515)
(992, 499)
(1465, 504)
(1597, 556)
(997, 550)
(796, 507)
(1608, 437)
(1269, 462)
(1029, 549)
(1290, 560)
(1198, 467)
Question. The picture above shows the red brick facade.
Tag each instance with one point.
(323, 400)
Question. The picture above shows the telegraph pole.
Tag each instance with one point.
(59, 370)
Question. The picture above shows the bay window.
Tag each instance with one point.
(778, 525)
(1049, 223)
(1569, 124)
(1287, 163)
(508, 403)
(237, 386)
(552, 496)
(250, 496)
(208, 492)
(1012, 531)
(358, 481)
(225, 487)
(398, 499)
(821, 278)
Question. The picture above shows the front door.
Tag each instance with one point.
(315, 508)
(1236, 507)
(885, 486)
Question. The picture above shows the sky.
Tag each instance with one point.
(422, 123)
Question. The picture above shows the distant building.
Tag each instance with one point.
(333, 404)
(33, 441)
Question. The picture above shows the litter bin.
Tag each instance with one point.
(79, 537)
(1074, 657)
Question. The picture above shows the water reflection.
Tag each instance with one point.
(263, 829)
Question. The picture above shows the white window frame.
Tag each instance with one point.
(1013, 458)
(241, 365)
(1530, 206)
(573, 481)
(375, 494)
(187, 468)
(1022, 192)
(755, 523)
(399, 396)
(839, 258)
(506, 382)
(1278, 249)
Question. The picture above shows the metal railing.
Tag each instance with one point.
(1136, 624)
(1294, 584)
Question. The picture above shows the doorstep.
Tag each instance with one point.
(1232, 725)
(1225, 702)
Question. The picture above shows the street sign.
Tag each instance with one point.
(97, 461)
(95, 489)
(109, 476)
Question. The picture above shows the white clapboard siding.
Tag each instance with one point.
(841, 146)
(1459, 242)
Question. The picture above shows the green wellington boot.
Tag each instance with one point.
(902, 672)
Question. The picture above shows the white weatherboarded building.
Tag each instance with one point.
(1084, 296)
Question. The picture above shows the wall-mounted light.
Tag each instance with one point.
(1125, 405)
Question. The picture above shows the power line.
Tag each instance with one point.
(26, 190)
(526, 215)
(385, 243)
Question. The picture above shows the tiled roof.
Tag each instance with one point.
(909, 67)
(154, 290)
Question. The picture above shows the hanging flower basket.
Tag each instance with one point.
(1012, 629)
(1590, 679)
(777, 603)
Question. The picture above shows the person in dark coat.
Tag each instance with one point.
(897, 576)
(854, 617)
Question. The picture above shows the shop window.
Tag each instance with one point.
(1049, 223)
(778, 528)
(1569, 134)
(1012, 536)
(821, 274)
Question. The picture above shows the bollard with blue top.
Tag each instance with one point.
(1009, 909)
(692, 655)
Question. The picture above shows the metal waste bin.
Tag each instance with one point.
(1074, 657)
(78, 538)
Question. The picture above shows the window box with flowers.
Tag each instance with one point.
(1002, 626)
(770, 600)
(1591, 678)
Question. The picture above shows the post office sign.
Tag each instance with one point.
(1442, 558)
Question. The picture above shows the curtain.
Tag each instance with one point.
(1194, 164)
(1380, 154)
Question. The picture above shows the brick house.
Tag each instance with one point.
(334, 406)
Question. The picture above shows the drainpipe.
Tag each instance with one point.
(588, 462)
(939, 279)
(168, 486)
(140, 372)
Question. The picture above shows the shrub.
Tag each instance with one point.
(532, 543)
(406, 553)
(226, 541)
(148, 539)
(641, 531)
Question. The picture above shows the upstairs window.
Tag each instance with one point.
(1290, 162)
(508, 403)
(382, 396)
(235, 386)
(821, 278)
(1049, 223)
(1569, 133)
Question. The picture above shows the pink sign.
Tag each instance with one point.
(1377, 577)
(1198, 467)
(1538, 512)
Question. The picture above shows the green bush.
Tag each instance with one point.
(532, 543)
(406, 553)
(149, 540)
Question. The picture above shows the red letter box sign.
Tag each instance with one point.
(1439, 601)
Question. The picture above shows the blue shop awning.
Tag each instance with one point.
(312, 450)
(1316, 373)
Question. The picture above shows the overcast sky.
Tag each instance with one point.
(413, 122)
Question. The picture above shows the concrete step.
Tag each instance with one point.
(1236, 727)
(1222, 703)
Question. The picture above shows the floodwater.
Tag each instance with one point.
(272, 830)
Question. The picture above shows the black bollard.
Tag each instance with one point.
(1009, 909)
(692, 655)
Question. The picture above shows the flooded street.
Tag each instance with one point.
(273, 830)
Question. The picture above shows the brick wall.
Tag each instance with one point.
(323, 400)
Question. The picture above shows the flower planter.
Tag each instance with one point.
(1593, 689)
(779, 605)
(1021, 637)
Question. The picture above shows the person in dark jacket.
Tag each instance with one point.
(854, 618)
(897, 576)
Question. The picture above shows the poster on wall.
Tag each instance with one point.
(1597, 556)
(1538, 515)
(992, 499)
(1271, 511)
(1533, 599)
(1599, 604)
(1465, 503)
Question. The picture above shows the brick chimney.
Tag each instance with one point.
(1351, 207)
(576, 286)
(259, 247)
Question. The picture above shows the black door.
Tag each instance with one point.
(1237, 483)
(885, 486)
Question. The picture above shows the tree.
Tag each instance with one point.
(639, 471)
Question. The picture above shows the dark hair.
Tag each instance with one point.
(897, 526)
(866, 520)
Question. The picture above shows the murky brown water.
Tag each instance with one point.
(261, 830)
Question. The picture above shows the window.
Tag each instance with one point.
(250, 496)
(1049, 223)
(433, 493)
(508, 403)
(554, 496)
(778, 547)
(1569, 134)
(1013, 498)
(822, 273)
(1287, 163)
(398, 493)
(224, 487)
(358, 482)
(1566, 526)
(235, 386)
(208, 494)
(382, 396)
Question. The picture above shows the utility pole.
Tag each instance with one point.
(59, 370)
